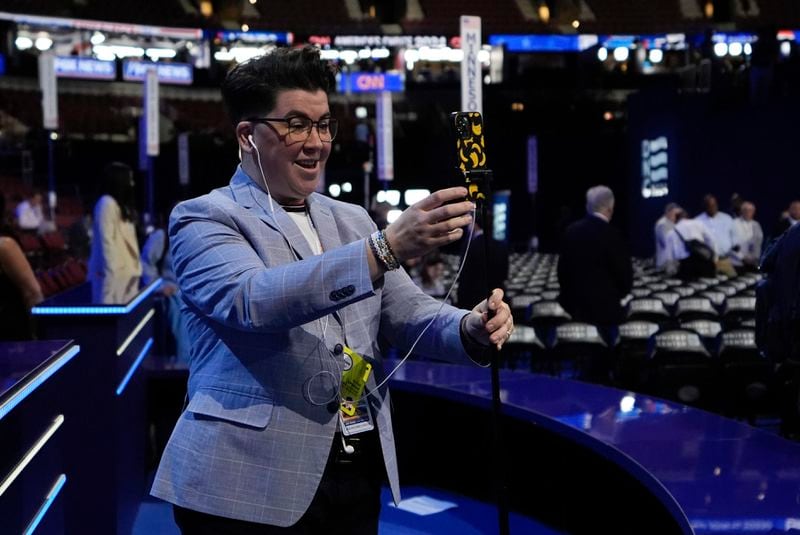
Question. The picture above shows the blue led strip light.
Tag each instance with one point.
(37, 380)
(48, 501)
(135, 365)
(96, 310)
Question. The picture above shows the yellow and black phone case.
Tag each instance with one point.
(470, 146)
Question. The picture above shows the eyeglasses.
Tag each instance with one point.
(299, 128)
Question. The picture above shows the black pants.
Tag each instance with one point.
(347, 501)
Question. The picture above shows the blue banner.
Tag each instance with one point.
(78, 67)
(371, 82)
(543, 43)
(168, 73)
(279, 38)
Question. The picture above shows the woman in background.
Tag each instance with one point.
(114, 266)
(19, 289)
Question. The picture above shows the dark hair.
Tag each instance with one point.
(118, 183)
(251, 88)
(6, 229)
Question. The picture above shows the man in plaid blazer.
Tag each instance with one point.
(278, 283)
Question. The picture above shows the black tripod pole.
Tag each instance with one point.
(498, 476)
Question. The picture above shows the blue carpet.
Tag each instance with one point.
(470, 517)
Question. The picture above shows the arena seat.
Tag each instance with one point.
(682, 368)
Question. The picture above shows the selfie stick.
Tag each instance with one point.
(479, 185)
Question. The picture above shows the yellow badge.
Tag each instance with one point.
(354, 379)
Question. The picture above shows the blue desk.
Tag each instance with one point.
(712, 474)
(115, 339)
(35, 411)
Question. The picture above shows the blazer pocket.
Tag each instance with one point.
(237, 407)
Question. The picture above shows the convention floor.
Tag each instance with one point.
(461, 515)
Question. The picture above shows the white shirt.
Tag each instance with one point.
(303, 222)
(721, 228)
(690, 229)
(749, 237)
(663, 227)
(29, 217)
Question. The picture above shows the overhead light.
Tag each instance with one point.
(380, 53)
(621, 53)
(544, 13)
(349, 56)
(97, 38)
(335, 190)
(602, 53)
(253, 2)
(120, 51)
(709, 9)
(576, 24)
(158, 53)
(413, 196)
(656, 55)
(786, 48)
(392, 215)
(23, 42)
(245, 27)
(748, 49)
(206, 8)
(720, 49)
(361, 112)
(43, 43)
(392, 196)
(735, 49)
(347, 187)
(244, 53)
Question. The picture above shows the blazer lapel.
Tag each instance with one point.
(249, 195)
(324, 223)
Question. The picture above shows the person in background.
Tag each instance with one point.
(594, 269)
(114, 266)
(778, 323)
(735, 209)
(678, 261)
(748, 238)
(19, 289)
(284, 290)
(430, 275)
(157, 262)
(788, 219)
(29, 213)
(720, 226)
(663, 227)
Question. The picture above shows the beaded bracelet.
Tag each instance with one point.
(382, 251)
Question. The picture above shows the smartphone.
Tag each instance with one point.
(470, 145)
(467, 127)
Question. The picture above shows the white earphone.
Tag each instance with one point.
(348, 448)
(322, 325)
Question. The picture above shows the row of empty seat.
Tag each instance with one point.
(693, 342)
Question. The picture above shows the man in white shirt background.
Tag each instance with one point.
(748, 236)
(663, 227)
(720, 226)
(676, 252)
(29, 213)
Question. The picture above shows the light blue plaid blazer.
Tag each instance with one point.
(255, 436)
